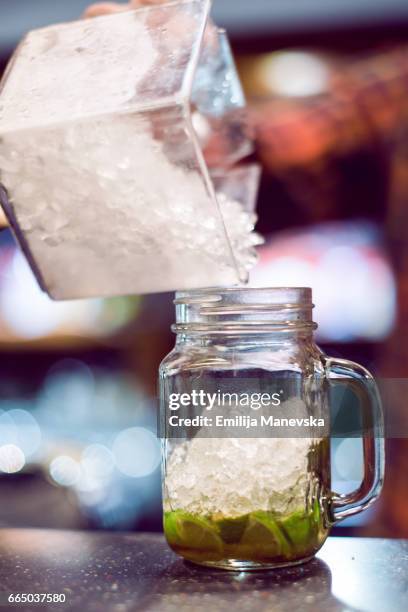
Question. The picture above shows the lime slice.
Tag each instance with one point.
(232, 529)
(300, 529)
(264, 536)
(316, 512)
(198, 533)
(170, 528)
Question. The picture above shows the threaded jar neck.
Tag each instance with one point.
(236, 311)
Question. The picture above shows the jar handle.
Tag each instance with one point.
(344, 505)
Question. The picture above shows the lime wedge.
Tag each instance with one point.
(300, 529)
(232, 529)
(264, 536)
(198, 533)
(316, 512)
(170, 528)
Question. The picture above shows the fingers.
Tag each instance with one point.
(107, 8)
(138, 3)
(104, 8)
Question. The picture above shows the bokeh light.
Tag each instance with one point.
(28, 432)
(137, 452)
(97, 465)
(12, 459)
(29, 312)
(353, 285)
(65, 471)
(20, 429)
(293, 73)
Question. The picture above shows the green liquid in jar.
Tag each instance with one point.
(261, 536)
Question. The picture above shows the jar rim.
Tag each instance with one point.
(243, 310)
(298, 294)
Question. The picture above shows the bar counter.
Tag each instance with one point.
(117, 572)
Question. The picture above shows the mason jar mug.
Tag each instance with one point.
(245, 427)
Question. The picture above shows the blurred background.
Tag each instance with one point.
(327, 86)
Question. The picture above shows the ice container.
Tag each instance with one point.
(104, 124)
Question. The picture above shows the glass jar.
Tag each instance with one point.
(239, 493)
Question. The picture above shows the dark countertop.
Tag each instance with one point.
(124, 572)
